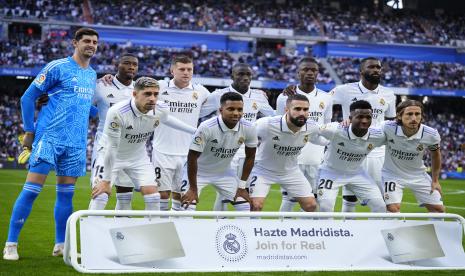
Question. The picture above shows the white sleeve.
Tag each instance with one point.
(265, 107)
(281, 104)
(175, 123)
(200, 140)
(261, 128)
(337, 96)
(211, 105)
(391, 111)
(112, 132)
(251, 141)
(328, 131)
(328, 115)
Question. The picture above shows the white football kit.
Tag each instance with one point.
(218, 144)
(170, 146)
(276, 158)
(383, 103)
(106, 96)
(342, 166)
(404, 167)
(123, 148)
(321, 112)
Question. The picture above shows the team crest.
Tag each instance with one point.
(157, 122)
(114, 125)
(198, 140)
(306, 138)
(254, 106)
(370, 146)
(420, 147)
(40, 79)
(320, 192)
(241, 140)
(322, 105)
(386, 196)
(195, 96)
(382, 101)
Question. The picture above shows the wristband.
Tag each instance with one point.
(242, 184)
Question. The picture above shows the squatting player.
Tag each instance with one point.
(59, 138)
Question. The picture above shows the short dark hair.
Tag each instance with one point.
(364, 60)
(360, 105)
(181, 59)
(240, 64)
(230, 96)
(296, 97)
(308, 59)
(128, 55)
(403, 105)
(84, 31)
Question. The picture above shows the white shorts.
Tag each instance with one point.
(311, 174)
(122, 179)
(373, 166)
(295, 184)
(225, 184)
(168, 170)
(420, 186)
(361, 184)
(237, 164)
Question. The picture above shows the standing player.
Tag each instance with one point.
(383, 103)
(255, 102)
(320, 111)
(170, 146)
(281, 141)
(342, 165)
(59, 137)
(119, 89)
(407, 139)
(128, 126)
(214, 145)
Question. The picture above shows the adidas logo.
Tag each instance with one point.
(129, 127)
(74, 79)
(165, 93)
(276, 138)
(110, 96)
(341, 144)
(215, 141)
(354, 99)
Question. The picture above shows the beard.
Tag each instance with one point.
(372, 79)
(297, 122)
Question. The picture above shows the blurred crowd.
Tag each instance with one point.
(328, 19)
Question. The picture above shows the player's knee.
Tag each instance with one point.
(121, 189)
(257, 205)
(176, 196)
(165, 194)
(377, 205)
(325, 205)
(350, 198)
(435, 208)
(393, 208)
(147, 190)
(309, 206)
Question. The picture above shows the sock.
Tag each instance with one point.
(376, 205)
(63, 209)
(175, 205)
(152, 202)
(348, 206)
(220, 204)
(22, 209)
(164, 204)
(123, 201)
(241, 205)
(191, 207)
(99, 202)
(287, 203)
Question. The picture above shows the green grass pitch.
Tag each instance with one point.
(37, 238)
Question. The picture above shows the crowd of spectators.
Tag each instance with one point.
(401, 73)
(316, 19)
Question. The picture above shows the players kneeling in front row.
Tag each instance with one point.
(128, 126)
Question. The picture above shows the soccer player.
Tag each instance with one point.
(213, 147)
(281, 139)
(383, 103)
(58, 139)
(320, 111)
(128, 126)
(120, 88)
(170, 146)
(342, 165)
(255, 104)
(407, 140)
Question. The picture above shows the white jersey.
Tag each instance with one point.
(404, 155)
(255, 101)
(346, 151)
(218, 144)
(279, 146)
(382, 100)
(184, 104)
(321, 112)
(106, 96)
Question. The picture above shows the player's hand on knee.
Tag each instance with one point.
(106, 80)
(436, 186)
(101, 187)
(26, 139)
(290, 90)
(242, 193)
(189, 197)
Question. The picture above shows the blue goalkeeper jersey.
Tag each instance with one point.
(65, 118)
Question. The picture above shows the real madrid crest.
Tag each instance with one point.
(370, 146)
(241, 140)
(157, 122)
(254, 106)
(195, 96)
(420, 147)
(306, 138)
(322, 105)
(382, 101)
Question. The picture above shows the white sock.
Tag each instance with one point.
(219, 204)
(377, 205)
(164, 204)
(175, 205)
(287, 203)
(152, 202)
(123, 201)
(241, 205)
(99, 202)
(348, 206)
